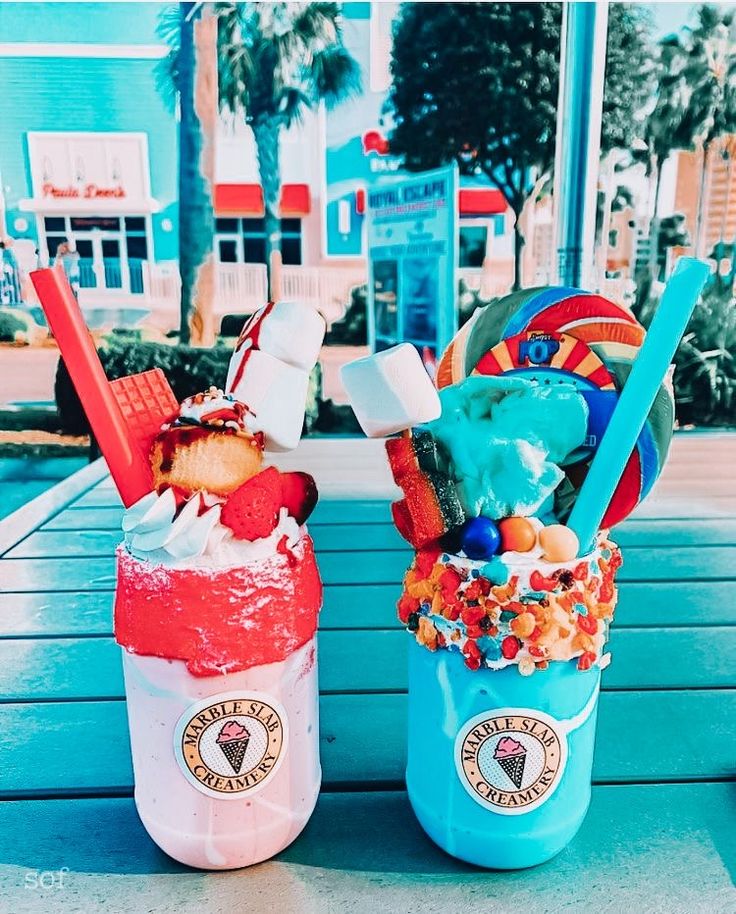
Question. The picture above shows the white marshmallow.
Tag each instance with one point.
(286, 330)
(277, 394)
(391, 391)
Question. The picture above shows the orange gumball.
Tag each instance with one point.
(517, 534)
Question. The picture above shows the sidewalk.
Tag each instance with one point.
(27, 374)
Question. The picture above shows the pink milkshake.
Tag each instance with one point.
(216, 608)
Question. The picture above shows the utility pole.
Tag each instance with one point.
(577, 154)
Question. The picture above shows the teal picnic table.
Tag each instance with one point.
(660, 835)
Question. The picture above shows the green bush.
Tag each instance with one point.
(9, 326)
(187, 369)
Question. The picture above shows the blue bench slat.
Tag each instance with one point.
(663, 848)
(642, 736)
(668, 604)
(687, 563)
(656, 506)
(90, 668)
(88, 540)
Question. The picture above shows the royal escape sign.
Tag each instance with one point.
(412, 253)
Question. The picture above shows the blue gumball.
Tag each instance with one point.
(480, 538)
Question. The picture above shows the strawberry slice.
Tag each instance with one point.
(298, 495)
(252, 510)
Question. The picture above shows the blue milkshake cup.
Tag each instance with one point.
(503, 695)
(509, 810)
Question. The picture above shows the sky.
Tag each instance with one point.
(670, 17)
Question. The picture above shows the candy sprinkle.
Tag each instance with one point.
(453, 603)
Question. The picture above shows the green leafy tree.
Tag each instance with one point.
(478, 82)
(278, 60)
(710, 72)
(178, 76)
(668, 127)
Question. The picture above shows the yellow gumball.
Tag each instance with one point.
(559, 543)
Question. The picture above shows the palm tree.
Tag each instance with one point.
(278, 60)
(182, 81)
(711, 75)
(668, 127)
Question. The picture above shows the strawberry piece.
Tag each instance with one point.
(298, 495)
(252, 510)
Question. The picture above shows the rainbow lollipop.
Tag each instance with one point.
(562, 334)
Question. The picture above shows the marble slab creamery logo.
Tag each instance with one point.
(511, 760)
(231, 744)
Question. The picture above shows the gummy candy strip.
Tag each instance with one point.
(429, 510)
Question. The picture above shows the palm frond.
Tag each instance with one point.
(166, 71)
(335, 75)
(278, 59)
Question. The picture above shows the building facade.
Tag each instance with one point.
(88, 155)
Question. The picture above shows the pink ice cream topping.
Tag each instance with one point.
(232, 730)
(507, 747)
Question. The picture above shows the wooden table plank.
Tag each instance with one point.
(668, 604)
(664, 849)
(89, 540)
(62, 669)
(687, 563)
(332, 537)
(679, 735)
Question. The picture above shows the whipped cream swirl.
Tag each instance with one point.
(157, 531)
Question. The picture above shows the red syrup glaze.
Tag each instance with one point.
(251, 331)
(219, 620)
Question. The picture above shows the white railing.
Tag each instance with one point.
(161, 282)
(327, 288)
(489, 281)
(240, 287)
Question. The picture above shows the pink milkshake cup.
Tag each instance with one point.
(216, 608)
(218, 591)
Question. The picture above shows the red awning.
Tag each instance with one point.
(482, 201)
(295, 200)
(247, 200)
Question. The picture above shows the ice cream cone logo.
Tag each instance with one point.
(233, 740)
(511, 756)
(511, 760)
(232, 744)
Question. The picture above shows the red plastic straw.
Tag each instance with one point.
(129, 468)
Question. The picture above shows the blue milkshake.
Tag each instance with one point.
(503, 694)
(508, 807)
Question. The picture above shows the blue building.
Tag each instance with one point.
(88, 156)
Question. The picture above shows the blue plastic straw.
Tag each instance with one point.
(619, 439)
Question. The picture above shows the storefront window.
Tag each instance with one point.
(473, 242)
(254, 240)
(244, 240)
(291, 241)
(111, 249)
